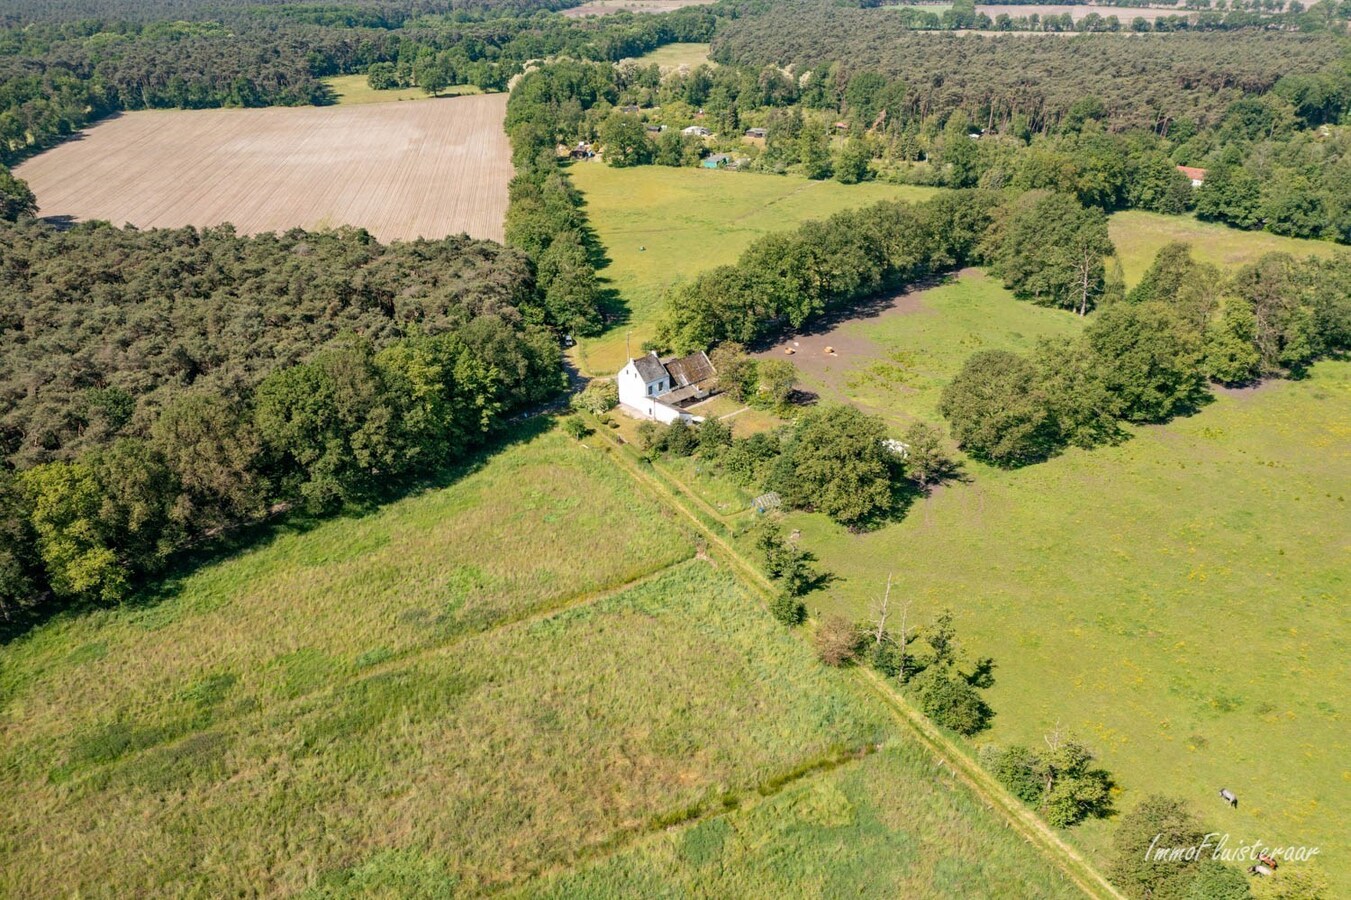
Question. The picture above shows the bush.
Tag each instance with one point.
(836, 640)
(949, 700)
(788, 609)
(597, 398)
(576, 428)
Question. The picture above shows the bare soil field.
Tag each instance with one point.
(1123, 13)
(608, 7)
(400, 170)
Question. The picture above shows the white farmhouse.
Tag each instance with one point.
(654, 388)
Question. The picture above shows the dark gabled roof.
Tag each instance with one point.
(690, 369)
(649, 368)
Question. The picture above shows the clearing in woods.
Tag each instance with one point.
(659, 225)
(1138, 235)
(352, 90)
(399, 170)
(610, 7)
(455, 694)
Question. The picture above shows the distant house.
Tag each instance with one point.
(655, 388)
(1198, 176)
(696, 131)
(757, 133)
(717, 161)
(582, 151)
(628, 109)
(654, 129)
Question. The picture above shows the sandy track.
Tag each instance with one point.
(400, 170)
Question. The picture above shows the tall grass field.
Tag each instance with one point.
(473, 688)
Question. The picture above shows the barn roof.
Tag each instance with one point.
(690, 369)
(1193, 173)
(649, 368)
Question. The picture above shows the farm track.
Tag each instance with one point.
(399, 170)
(1070, 861)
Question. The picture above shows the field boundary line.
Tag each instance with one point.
(411, 656)
(1070, 861)
(803, 772)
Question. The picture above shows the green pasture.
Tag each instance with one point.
(1138, 235)
(455, 694)
(351, 90)
(1178, 601)
(673, 56)
(659, 225)
(895, 363)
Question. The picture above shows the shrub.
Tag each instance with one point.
(788, 609)
(950, 701)
(836, 640)
(597, 398)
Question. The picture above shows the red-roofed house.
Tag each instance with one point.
(1198, 176)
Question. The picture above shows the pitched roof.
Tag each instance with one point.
(1193, 173)
(690, 369)
(649, 368)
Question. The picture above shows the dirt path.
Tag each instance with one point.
(1070, 861)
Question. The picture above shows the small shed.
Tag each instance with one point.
(1197, 176)
(757, 133)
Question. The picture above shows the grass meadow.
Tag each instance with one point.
(673, 56)
(508, 753)
(881, 826)
(1178, 601)
(659, 225)
(457, 694)
(1138, 235)
(351, 90)
(894, 362)
(313, 606)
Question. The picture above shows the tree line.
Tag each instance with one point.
(1148, 354)
(161, 385)
(1277, 154)
(786, 279)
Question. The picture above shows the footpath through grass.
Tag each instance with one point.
(659, 225)
(1177, 601)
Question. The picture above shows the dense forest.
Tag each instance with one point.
(159, 385)
(1026, 82)
(368, 13)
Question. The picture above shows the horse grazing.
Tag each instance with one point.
(1228, 797)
